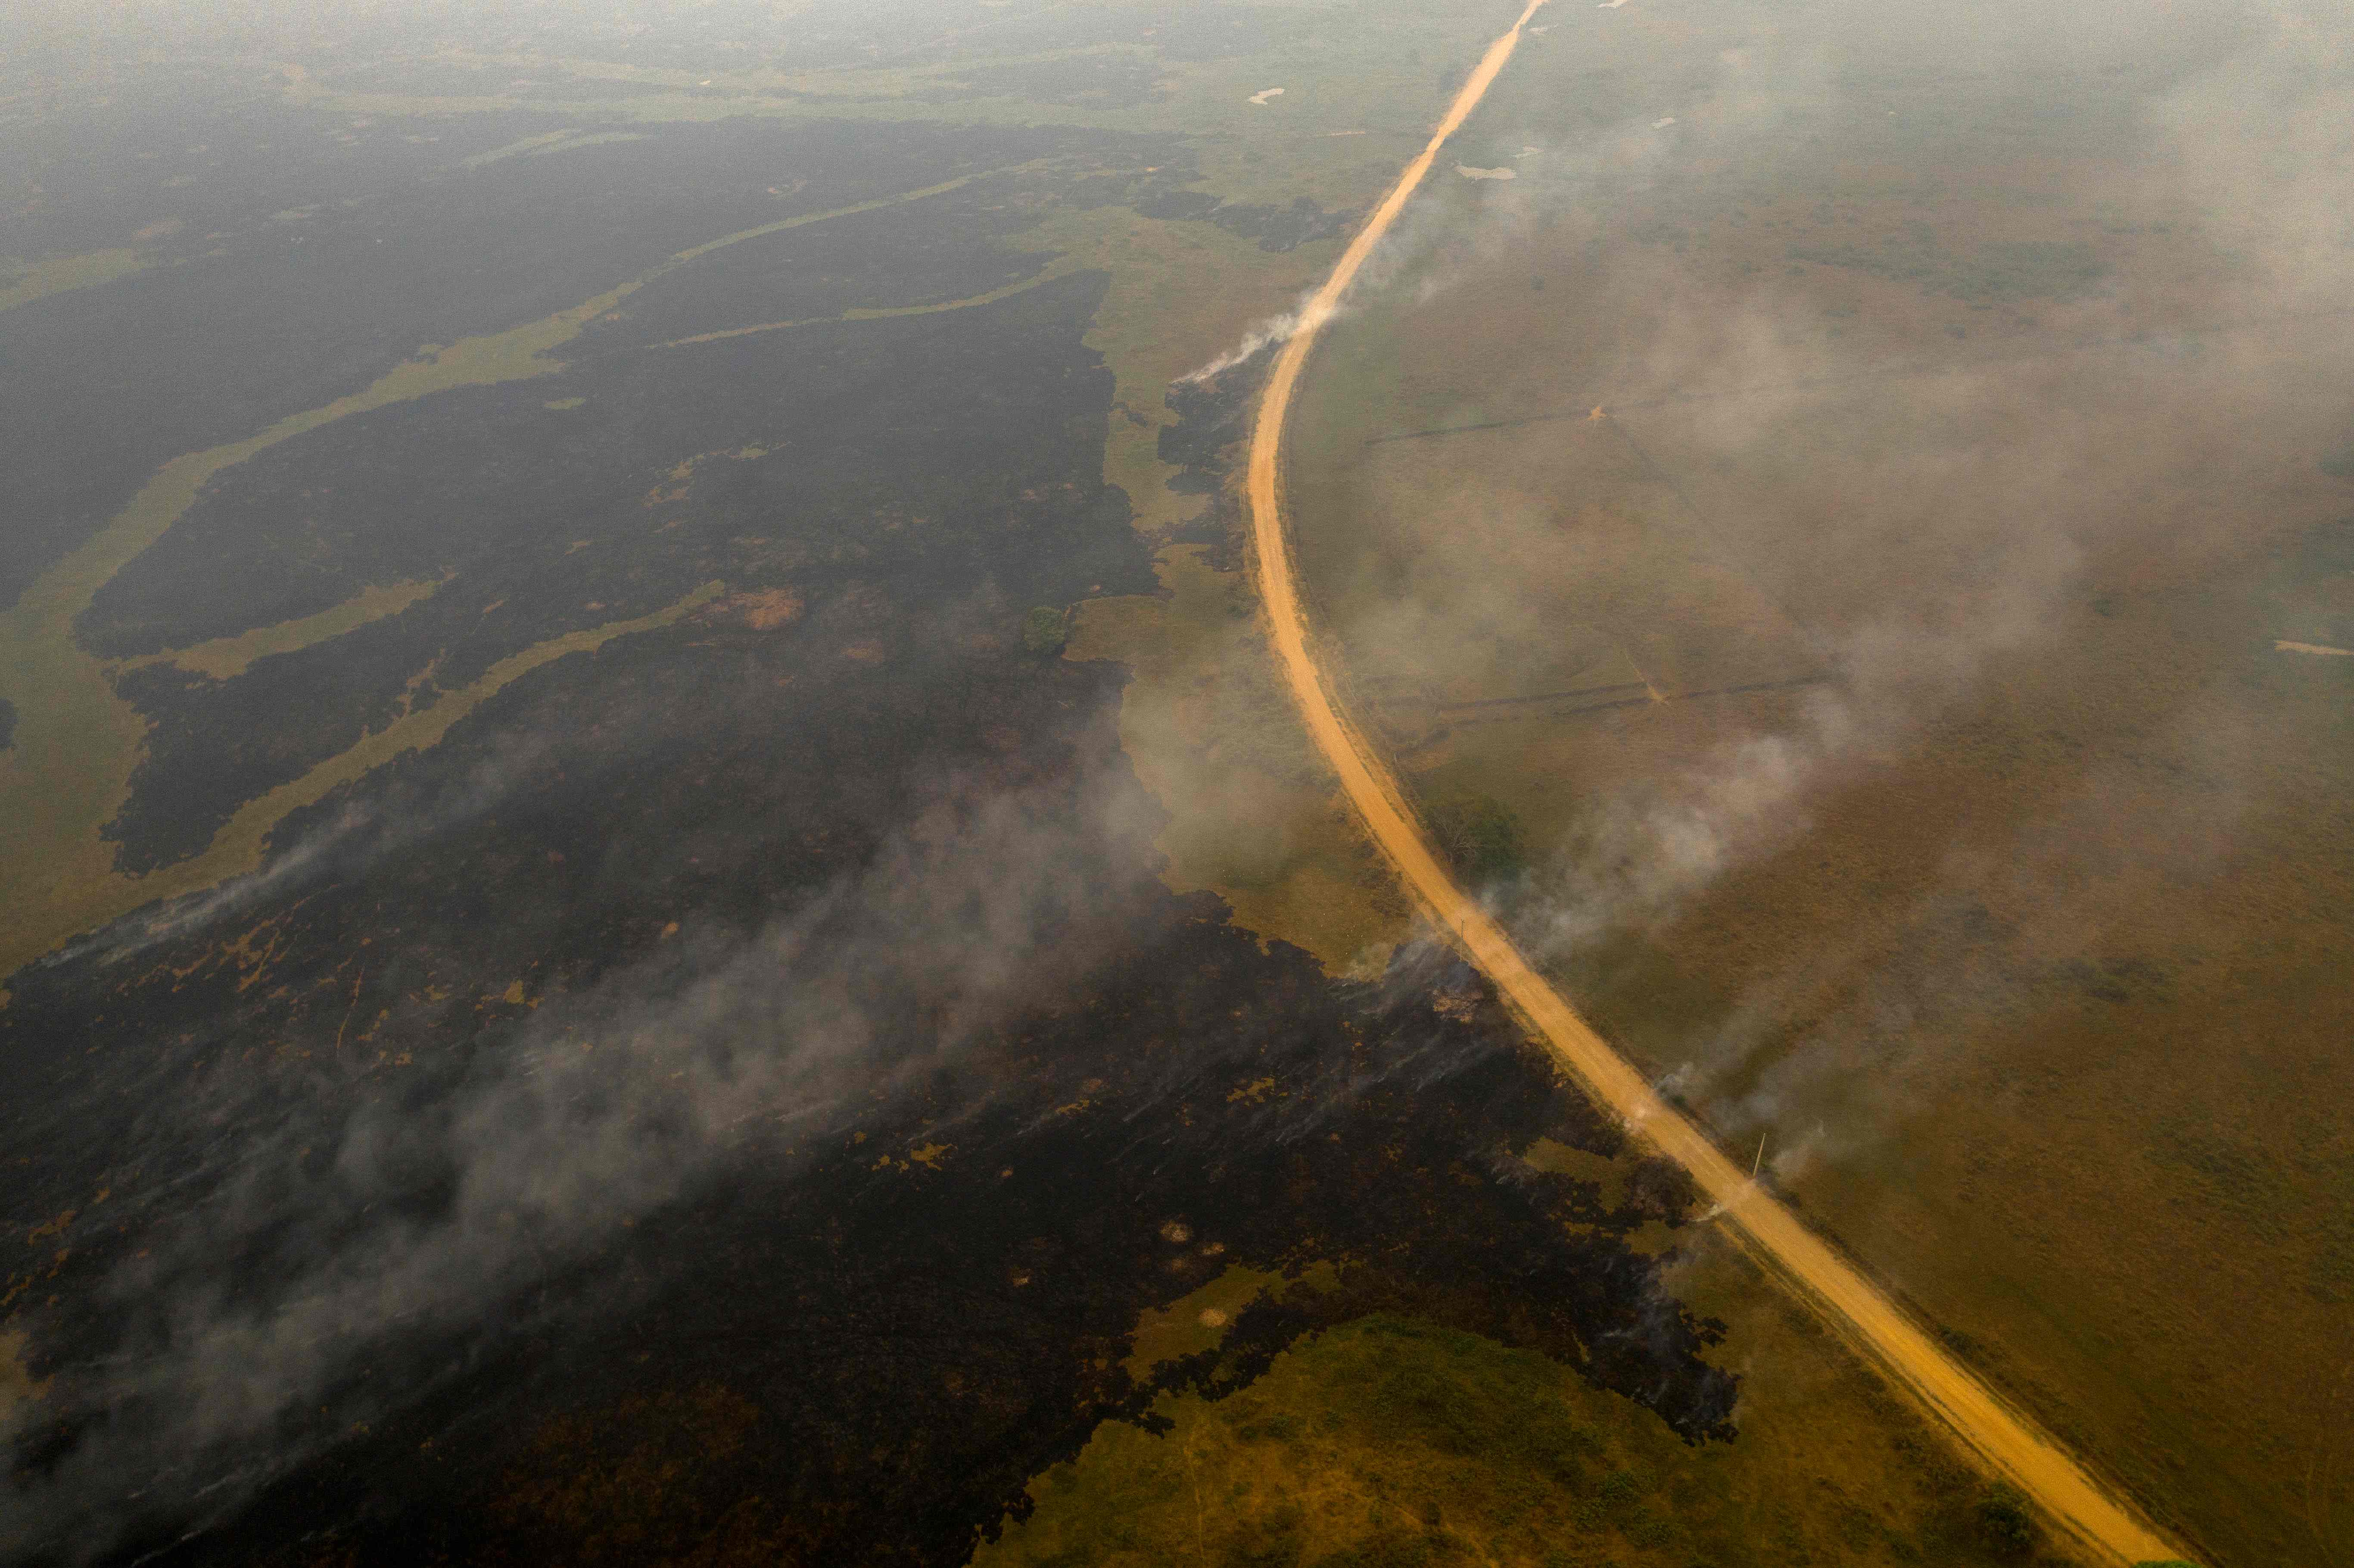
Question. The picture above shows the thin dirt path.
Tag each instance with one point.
(2004, 1438)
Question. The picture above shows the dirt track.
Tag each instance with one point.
(2004, 1438)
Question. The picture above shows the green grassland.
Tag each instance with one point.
(1392, 1442)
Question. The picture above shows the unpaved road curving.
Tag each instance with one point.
(2004, 1438)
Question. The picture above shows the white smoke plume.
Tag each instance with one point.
(1267, 333)
(311, 1258)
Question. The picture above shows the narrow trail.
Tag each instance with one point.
(2004, 1438)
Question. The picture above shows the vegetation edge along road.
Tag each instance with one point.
(2004, 1438)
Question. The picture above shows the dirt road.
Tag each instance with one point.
(2004, 1438)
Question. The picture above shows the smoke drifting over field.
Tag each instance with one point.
(1940, 411)
(1919, 569)
(2037, 493)
(346, 1250)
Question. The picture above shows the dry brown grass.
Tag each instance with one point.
(2030, 955)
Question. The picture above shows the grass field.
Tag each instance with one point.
(1959, 473)
(1390, 1441)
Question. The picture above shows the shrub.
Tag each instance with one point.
(1620, 1488)
(1277, 1542)
(1044, 630)
(2003, 1521)
(1662, 1189)
(1398, 1549)
(1653, 1529)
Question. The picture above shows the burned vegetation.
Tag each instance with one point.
(731, 1097)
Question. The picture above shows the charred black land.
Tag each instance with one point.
(730, 1098)
(983, 420)
(312, 273)
(857, 1350)
(1205, 444)
(641, 471)
(868, 1362)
